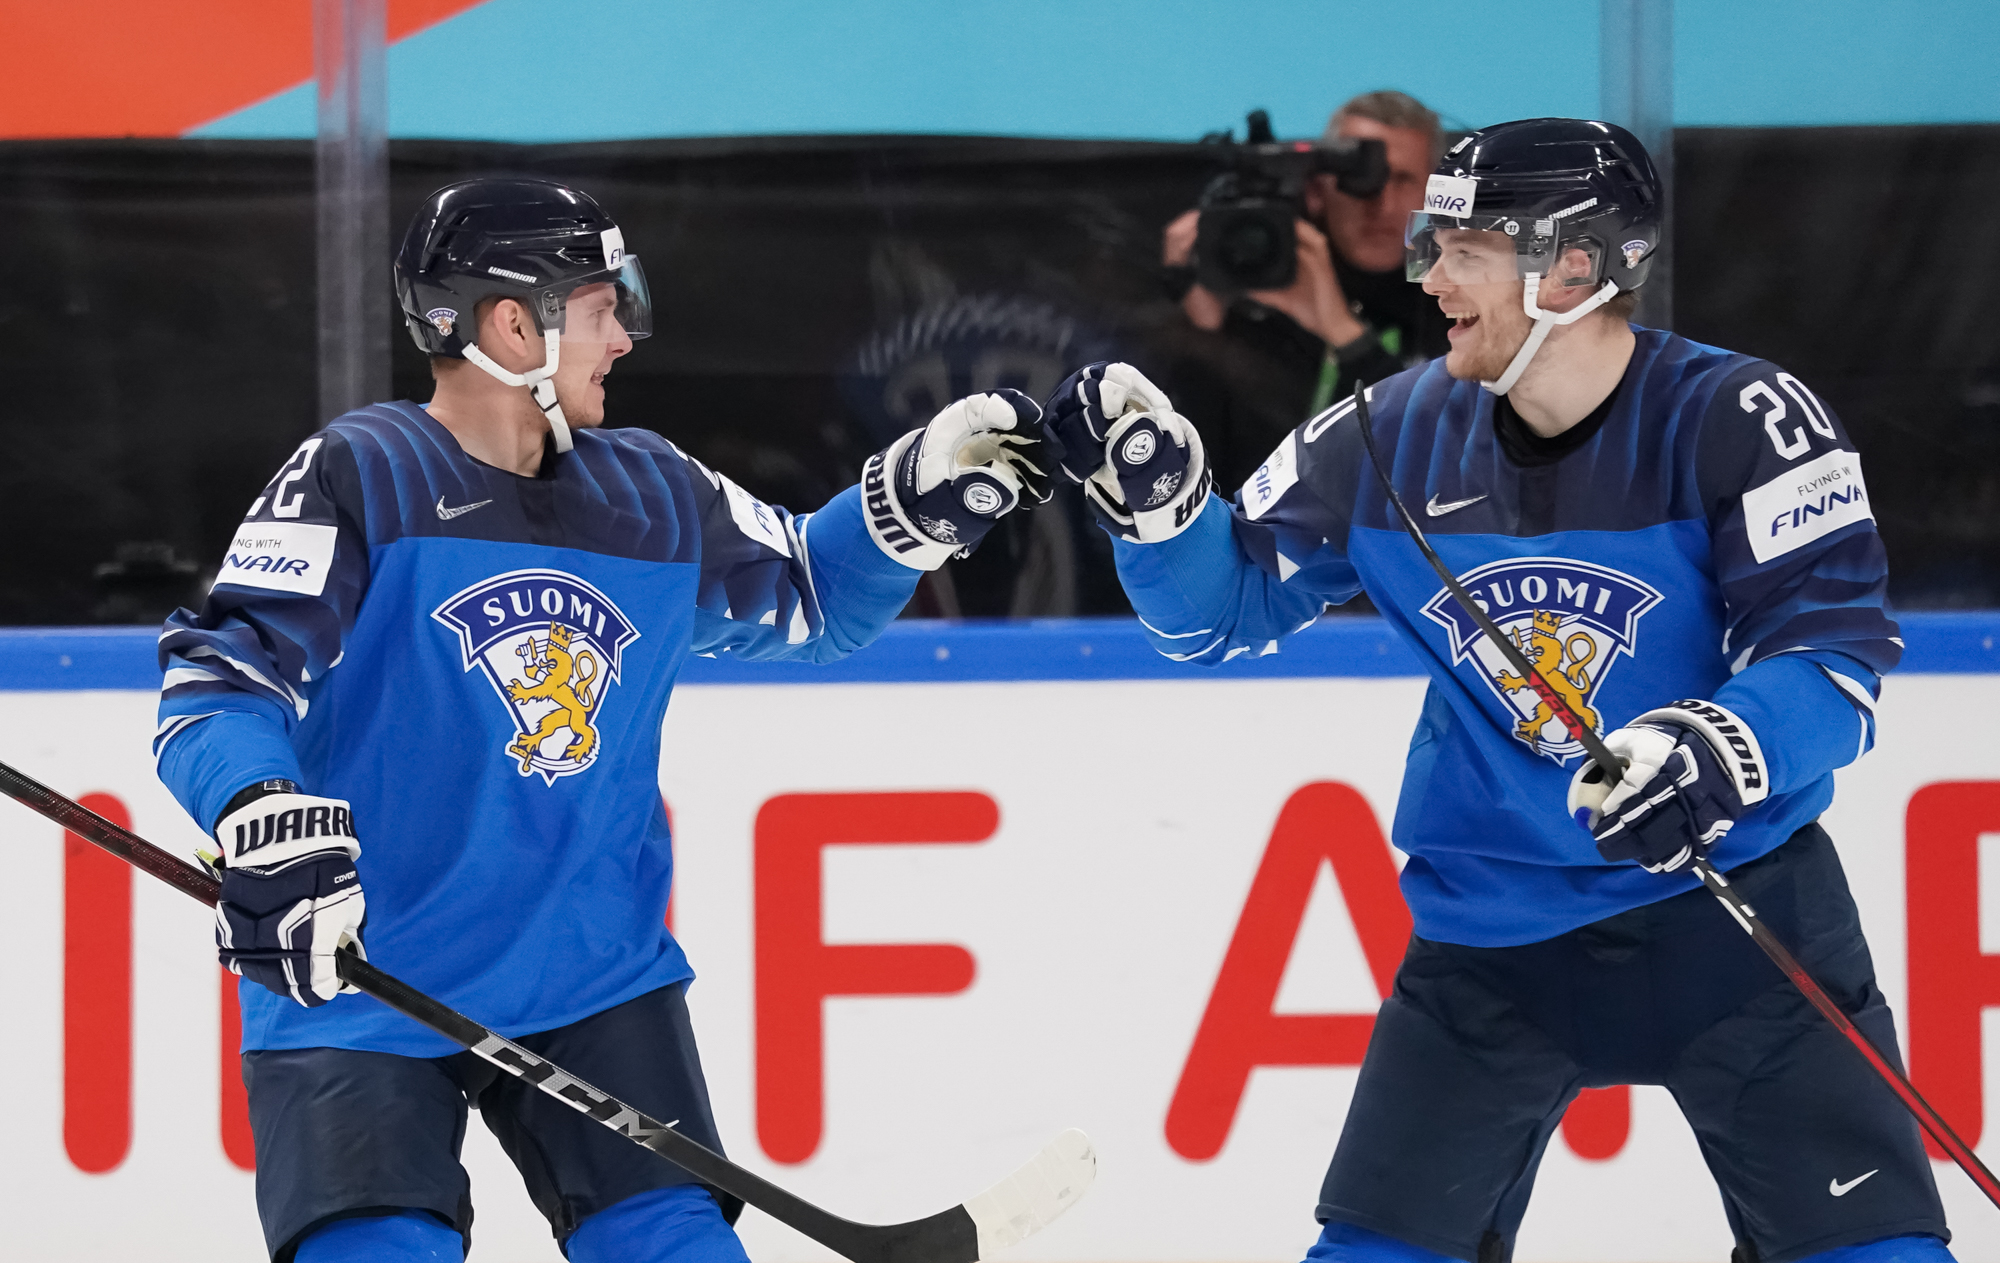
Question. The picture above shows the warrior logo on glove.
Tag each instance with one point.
(1141, 464)
(934, 493)
(1691, 770)
(290, 897)
(1571, 619)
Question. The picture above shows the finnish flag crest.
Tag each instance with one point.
(550, 644)
(1571, 619)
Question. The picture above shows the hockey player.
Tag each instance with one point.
(1680, 539)
(431, 677)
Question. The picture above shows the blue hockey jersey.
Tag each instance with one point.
(1713, 539)
(480, 663)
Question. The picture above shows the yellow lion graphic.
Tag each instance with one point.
(1544, 647)
(568, 680)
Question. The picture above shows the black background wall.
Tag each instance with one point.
(815, 296)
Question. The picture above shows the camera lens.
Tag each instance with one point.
(1246, 245)
(1249, 246)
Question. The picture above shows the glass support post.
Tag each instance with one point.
(351, 195)
(1636, 91)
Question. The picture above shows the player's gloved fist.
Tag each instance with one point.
(934, 493)
(290, 895)
(1141, 463)
(1088, 403)
(1691, 770)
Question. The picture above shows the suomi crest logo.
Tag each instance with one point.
(550, 644)
(1571, 619)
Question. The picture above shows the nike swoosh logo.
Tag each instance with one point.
(1439, 510)
(1838, 1189)
(446, 515)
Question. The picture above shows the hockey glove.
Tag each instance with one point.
(1141, 463)
(1692, 769)
(934, 493)
(290, 895)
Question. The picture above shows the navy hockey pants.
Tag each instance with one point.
(1479, 1051)
(346, 1134)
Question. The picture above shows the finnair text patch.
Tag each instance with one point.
(285, 556)
(1803, 504)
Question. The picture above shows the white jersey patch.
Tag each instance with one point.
(754, 518)
(1803, 504)
(1272, 479)
(283, 556)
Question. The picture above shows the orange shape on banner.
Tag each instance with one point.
(1951, 980)
(796, 969)
(144, 68)
(97, 997)
(1324, 822)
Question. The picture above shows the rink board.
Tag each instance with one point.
(1097, 912)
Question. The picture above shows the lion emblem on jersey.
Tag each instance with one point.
(563, 677)
(550, 644)
(1561, 663)
(1570, 619)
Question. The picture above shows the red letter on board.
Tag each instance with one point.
(1950, 979)
(1321, 823)
(97, 997)
(796, 969)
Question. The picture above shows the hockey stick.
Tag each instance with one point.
(1717, 884)
(1009, 1212)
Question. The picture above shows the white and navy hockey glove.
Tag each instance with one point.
(1141, 463)
(290, 895)
(1692, 769)
(934, 493)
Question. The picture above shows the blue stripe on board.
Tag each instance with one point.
(914, 651)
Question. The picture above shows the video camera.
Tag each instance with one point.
(1247, 239)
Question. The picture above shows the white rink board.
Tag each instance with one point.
(1098, 915)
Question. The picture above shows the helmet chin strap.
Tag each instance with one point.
(1544, 321)
(542, 380)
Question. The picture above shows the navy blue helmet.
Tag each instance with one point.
(1551, 184)
(532, 240)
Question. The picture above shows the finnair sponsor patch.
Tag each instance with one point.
(1803, 504)
(283, 556)
(755, 519)
(1273, 478)
(1450, 195)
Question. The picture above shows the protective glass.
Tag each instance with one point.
(599, 310)
(1475, 249)
(1463, 255)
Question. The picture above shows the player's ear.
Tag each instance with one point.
(505, 329)
(1567, 283)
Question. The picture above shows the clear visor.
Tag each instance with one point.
(1483, 249)
(607, 310)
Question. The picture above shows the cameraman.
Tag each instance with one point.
(1350, 315)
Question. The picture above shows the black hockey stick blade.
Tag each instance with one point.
(1011, 1211)
(1717, 884)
